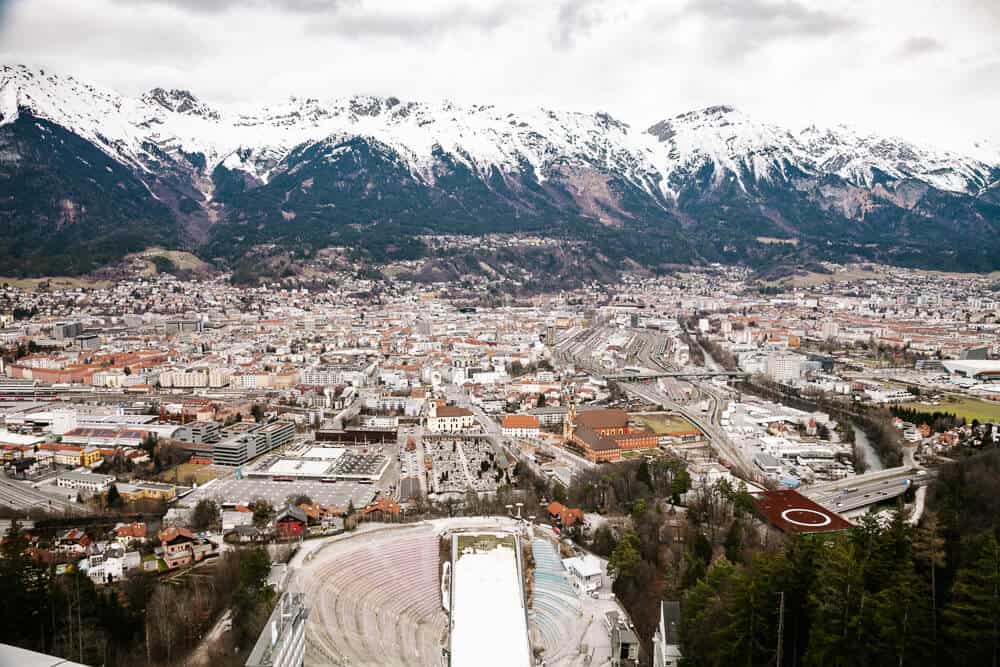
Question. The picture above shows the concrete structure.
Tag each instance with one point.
(790, 512)
(282, 643)
(783, 366)
(624, 641)
(12, 655)
(243, 442)
(488, 620)
(973, 369)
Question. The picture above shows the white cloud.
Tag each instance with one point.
(917, 68)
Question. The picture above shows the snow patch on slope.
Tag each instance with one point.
(481, 137)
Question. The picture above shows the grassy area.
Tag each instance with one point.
(970, 408)
(664, 424)
(180, 259)
(185, 471)
(634, 454)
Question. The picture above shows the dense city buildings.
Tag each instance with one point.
(291, 415)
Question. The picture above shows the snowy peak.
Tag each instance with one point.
(863, 159)
(697, 185)
(179, 101)
(720, 139)
(732, 142)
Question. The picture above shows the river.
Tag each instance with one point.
(868, 453)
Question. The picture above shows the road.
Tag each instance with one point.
(411, 464)
(645, 353)
(717, 438)
(858, 491)
(20, 495)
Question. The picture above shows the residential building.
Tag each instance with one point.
(520, 426)
(666, 639)
(179, 547)
(586, 572)
(126, 533)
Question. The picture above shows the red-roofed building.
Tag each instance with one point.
(178, 547)
(291, 522)
(520, 426)
(75, 542)
(602, 435)
(565, 517)
(130, 532)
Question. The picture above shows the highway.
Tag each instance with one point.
(855, 492)
(654, 382)
(726, 450)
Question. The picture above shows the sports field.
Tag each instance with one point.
(970, 408)
(665, 424)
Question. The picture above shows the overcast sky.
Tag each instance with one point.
(923, 69)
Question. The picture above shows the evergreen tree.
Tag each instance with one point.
(642, 474)
(206, 513)
(262, 513)
(928, 548)
(734, 542)
(837, 637)
(114, 498)
(972, 617)
(625, 557)
(705, 613)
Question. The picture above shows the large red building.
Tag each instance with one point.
(603, 435)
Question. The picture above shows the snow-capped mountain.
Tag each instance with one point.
(328, 164)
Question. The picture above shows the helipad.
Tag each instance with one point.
(791, 512)
(801, 516)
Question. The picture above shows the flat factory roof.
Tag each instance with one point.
(327, 453)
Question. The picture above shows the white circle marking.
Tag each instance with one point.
(824, 519)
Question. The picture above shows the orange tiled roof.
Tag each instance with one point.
(520, 421)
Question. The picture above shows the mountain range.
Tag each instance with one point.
(88, 175)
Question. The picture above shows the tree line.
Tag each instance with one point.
(938, 420)
(138, 621)
(883, 593)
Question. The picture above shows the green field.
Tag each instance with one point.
(180, 474)
(664, 424)
(634, 454)
(970, 408)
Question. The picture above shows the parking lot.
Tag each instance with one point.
(245, 491)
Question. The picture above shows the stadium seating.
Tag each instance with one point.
(555, 608)
(377, 600)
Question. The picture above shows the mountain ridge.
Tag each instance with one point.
(702, 180)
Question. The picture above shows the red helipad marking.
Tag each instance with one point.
(801, 516)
